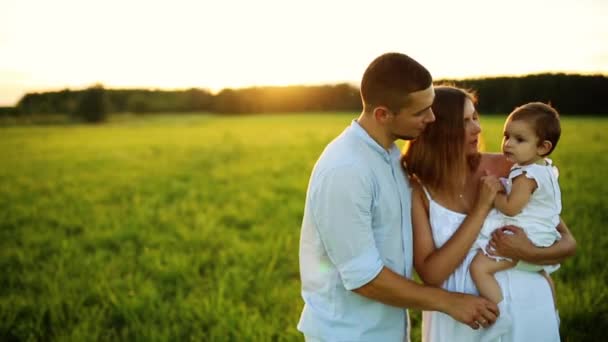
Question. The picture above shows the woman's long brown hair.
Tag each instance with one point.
(437, 157)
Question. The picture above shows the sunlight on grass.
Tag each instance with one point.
(186, 227)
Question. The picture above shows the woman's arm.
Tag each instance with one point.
(513, 243)
(434, 265)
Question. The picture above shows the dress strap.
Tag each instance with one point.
(426, 192)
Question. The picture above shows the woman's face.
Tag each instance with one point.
(471, 128)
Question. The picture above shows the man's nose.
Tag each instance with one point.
(431, 116)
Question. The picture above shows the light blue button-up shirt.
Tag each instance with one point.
(356, 220)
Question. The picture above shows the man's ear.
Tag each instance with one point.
(382, 114)
(544, 148)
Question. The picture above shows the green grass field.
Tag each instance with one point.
(175, 228)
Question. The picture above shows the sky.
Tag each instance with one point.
(178, 44)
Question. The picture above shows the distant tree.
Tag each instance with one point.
(9, 111)
(226, 101)
(197, 99)
(138, 102)
(27, 104)
(93, 104)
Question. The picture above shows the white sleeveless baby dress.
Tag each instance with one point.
(539, 217)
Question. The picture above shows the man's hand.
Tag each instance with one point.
(511, 242)
(473, 311)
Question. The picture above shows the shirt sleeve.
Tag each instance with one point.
(343, 217)
(532, 172)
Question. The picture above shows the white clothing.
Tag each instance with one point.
(527, 294)
(538, 218)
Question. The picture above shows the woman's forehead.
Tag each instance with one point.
(469, 107)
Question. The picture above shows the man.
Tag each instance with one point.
(356, 239)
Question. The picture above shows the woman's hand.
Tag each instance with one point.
(488, 188)
(511, 242)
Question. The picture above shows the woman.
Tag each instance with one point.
(447, 214)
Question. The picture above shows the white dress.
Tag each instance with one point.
(527, 294)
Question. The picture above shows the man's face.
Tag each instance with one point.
(412, 119)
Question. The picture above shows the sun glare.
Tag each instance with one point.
(214, 45)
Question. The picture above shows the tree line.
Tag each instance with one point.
(569, 94)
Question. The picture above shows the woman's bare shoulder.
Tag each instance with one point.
(415, 184)
(418, 191)
(491, 157)
(495, 163)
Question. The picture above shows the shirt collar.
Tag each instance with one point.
(356, 128)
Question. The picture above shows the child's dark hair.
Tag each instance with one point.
(544, 120)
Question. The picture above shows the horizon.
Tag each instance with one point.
(354, 84)
(220, 46)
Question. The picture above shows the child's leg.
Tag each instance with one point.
(482, 272)
(551, 285)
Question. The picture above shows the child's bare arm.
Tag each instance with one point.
(522, 190)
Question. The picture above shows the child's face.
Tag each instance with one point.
(520, 143)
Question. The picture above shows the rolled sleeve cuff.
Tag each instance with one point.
(361, 270)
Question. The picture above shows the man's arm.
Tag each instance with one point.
(342, 217)
(512, 242)
(390, 288)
